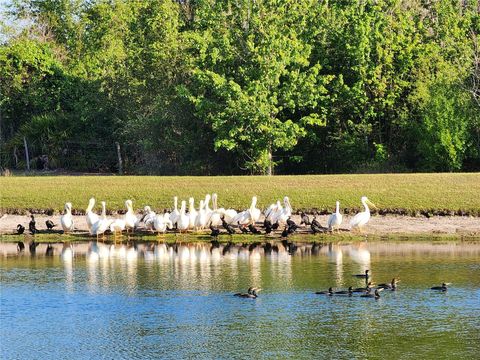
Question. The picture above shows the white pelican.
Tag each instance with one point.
(216, 217)
(254, 212)
(117, 226)
(208, 211)
(201, 220)
(175, 213)
(362, 218)
(149, 217)
(66, 220)
(131, 220)
(168, 222)
(192, 213)
(92, 218)
(102, 224)
(160, 224)
(335, 219)
(249, 216)
(183, 220)
(271, 210)
(283, 213)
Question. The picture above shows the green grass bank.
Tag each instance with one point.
(441, 194)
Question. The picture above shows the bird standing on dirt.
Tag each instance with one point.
(267, 224)
(227, 226)
(305, 219)
(242, 229)
(50, 224)
(316, 223)
(20, 229)
(31, 226)
(215, 232)
(253, 229)
(316, 229)
(292, 226)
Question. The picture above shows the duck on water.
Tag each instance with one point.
(442, 288)
(250, 294)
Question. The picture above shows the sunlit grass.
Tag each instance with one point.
(412, 192)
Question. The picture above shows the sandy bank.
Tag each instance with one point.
(378, 225)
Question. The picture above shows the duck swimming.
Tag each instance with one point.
(441, 288)
(364, 289)
(348, 292)
(328, 292)
(251, 293)
(375, 295)
(365, 276)
(392, 286)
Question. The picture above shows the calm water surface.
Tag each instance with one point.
(176, 302)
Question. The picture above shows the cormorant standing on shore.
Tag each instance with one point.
(305, 219)
(50, 224)
(227, 226)
(31, 226)
(20, 229)
(215, 232)
(253, 229)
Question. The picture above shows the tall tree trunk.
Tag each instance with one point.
(27, 156)
(270, 164)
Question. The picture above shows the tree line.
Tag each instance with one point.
(241, 86)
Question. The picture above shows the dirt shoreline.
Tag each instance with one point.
(378, 225)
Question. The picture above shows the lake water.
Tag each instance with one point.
(158, 301)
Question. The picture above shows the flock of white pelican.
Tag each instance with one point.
(205, 217)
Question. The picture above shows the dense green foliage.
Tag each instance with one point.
(208, 87)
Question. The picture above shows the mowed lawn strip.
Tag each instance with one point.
(412, 192)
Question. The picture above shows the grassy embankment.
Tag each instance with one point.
(410, 194)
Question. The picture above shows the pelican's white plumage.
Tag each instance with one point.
(67, 220)
(175, 213)
(208, 211)
(92, 218)
(249, 216)
(103, 223)
(117, 225)
(335, 219)
(254, 212)
(192, 213)
(201, 220)
(282, 213)
(362, 218)
(160, 224)
(130, 218)
(149, 217)
(183, 220)
(217, 213)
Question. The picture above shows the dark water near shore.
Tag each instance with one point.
(160, 301)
